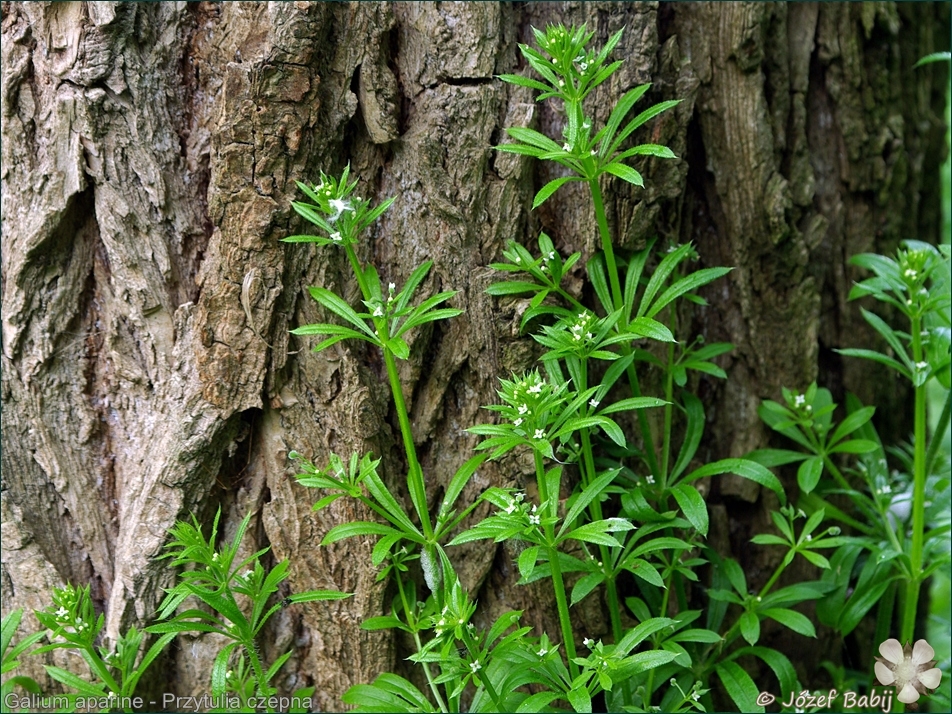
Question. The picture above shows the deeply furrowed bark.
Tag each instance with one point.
(149, 159)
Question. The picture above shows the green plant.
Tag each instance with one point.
(237, 594)
(10, 662)
(72, 624)
(901, 515)
(636, 510)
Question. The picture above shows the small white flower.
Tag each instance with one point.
(809, 538)
(475, 666)
(520, 497)
(586, 124)
(535, 388)
(61, 613)
(539, 434)
(518, 421)
(391, 287)
(649, 478)
(335, 236)
(378, 311)
(551, 255)
(339, 205)
(214, 557)
(470, 626)
(799, 400)
(442, 622)
(911, 669)
(588, 642)
(542, 652)
(696, 696)
(511, 508)
(561, 82)
(462, 621)
(566, 147)
(576, 337)
(588, 335)
(594, 152)
(593, 403)
(228, 674)
(911, 274)
(922, 366)
(534, 520)
(523, 408)
(584, 66)
(886, 489)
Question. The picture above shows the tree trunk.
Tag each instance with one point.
(149, 159)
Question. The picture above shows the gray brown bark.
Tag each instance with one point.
(149, 159)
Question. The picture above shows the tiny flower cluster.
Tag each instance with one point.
(529, 402)
(527, 514)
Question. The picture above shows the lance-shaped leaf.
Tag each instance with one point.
(340, 308)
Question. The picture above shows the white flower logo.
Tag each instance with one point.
(911, 669)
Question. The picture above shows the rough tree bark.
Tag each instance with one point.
(149, 155)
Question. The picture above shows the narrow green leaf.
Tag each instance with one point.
(588, 494)
(851, 423)
(808, 475)
(585, 585)
(648, 327)
(622, 107)
(877, 357)
(692, 434)
(527, 561)
(459, 481)
(524, 82)
(692, 505)
(550, 188)
(356, 528)
(687, 284)
(220, 669)
(340, 308)
(742, 467)
(71, 680)
(750, 627)
(855, 446)
(740, 687)
(513, 288)
(533, 138)
(632, 404)
(386, 622)
(791, 618)
(626, 173)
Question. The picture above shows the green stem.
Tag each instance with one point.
(668, 408)
(595, 511)
(918, 496)
(625, 348)
(557, 582)
(411, 621)
(415, 473)
(485, 679)
(606, 237)
(259, 672)
(649, 688)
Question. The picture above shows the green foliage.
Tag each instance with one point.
(637, 509)
(236, 595)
